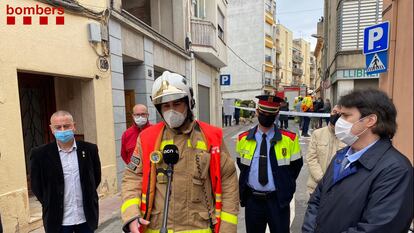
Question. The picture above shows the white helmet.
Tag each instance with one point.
(169, 87)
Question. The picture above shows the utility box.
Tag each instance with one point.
(94, 33)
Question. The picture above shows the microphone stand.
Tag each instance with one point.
(168, 172)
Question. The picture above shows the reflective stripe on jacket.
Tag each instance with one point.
(285, 158)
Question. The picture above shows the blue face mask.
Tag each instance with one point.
(64, 136)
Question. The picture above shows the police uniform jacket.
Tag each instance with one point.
(285, 160)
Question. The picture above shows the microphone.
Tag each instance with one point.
(170, 154)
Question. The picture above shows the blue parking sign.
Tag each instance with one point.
(225, 79)
(376, 38)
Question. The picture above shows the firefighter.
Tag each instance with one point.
(269, 160)
(204, 186)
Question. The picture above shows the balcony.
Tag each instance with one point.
(278, 65)
(140, 9)
(269, 85)
(278, 49)
(205, 43)
(297, 58)
(312, 65)
(268, 41)
(297, 71)
(269, 67)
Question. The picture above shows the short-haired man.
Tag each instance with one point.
(368, 185)
(204, 192)
(129, 137)
(269, 160)
(322, 148)
(64, 177)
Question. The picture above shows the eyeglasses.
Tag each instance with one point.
(140, 114)
(62, 127)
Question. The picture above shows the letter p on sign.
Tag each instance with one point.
(376, 38)
(225, 80)
(374, 35)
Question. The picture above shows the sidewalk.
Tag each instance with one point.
(109, 209)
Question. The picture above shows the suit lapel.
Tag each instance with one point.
(53, 154)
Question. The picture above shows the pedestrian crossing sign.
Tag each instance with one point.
(376, 62)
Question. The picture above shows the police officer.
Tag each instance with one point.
(269, 160)
(204, 185)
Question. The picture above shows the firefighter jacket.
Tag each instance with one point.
(307, 104)
(192, 203)
(285, 160)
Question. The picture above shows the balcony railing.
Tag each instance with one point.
(297, 71)
(203, 33)
(297, 58)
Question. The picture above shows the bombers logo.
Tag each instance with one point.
(27, 13)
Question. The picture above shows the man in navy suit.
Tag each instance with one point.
(64, 177)
(368, 185)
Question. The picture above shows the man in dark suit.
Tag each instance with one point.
(64, 177)
(368, 185)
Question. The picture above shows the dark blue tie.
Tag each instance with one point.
(263, 179)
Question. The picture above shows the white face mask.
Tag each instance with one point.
(174, 119)
(343, 131)
(140, 121)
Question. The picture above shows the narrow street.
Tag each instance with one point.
(230, 136)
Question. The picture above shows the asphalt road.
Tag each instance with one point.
(230, 135)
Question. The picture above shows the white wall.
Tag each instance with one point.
(245, 20)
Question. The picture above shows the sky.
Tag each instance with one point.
(301, 17)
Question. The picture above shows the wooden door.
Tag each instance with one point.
(37, 104)
(129, 104)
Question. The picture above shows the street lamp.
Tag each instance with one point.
(317, 36)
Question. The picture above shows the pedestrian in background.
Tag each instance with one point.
(228, 112)
(320, 110)
(1, 226)
(306, 106)
(283, 119)
(327, 109)
(129, 137)
(298, 103)
(64, 177)
(368, 185)
(263, 152)
(322, 147)
(314, 120)
(237, 103)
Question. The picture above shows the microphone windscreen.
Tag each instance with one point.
(170, 154)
